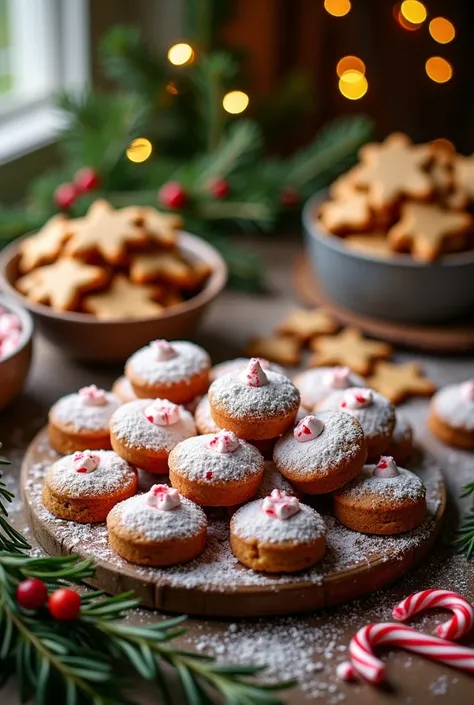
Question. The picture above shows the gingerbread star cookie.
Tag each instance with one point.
(464, 174)
(123, 300)
(62, 284)
(427, 230)
(350, 349)
(163, 228)
(45, 246)
(373, 245)
(448, 190)
(394, 169)
(284, 349)
(349, 213)
(397, 382)
(304, 324)
(168, 266)
(107, 232)
(344, 186)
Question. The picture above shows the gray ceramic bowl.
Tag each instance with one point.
(83, 337)
(14, 368)
(398, 288)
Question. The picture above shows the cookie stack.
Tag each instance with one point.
(402, 197)
(113, 263)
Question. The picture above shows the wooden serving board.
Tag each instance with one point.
(448, 338)
(215, 585)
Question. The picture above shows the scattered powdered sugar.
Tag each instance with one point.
(122, 387)
(401, 487)
(190, 360)
(111, 475)
(130, 425)
(313, 386)
(403, 432)
(73, 411)
(241, 401)
(376, 419)
(273, 480)
(251, 522)
(239, 364)
(193, 458)
(135, 515)
(340, 441)
(451, 406)
(204, 421)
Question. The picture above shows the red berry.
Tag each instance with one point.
(290, 197)
(219, 188)
(65, 195)
(173, 195)
(64, 604)
(31, 593)
(86, 179)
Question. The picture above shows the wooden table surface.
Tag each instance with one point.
(307, 647)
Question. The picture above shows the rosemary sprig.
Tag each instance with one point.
(465, 533)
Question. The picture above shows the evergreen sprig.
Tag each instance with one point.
(465, 533)
(82, 662)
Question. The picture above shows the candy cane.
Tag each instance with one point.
(460, 623)
(366, 664)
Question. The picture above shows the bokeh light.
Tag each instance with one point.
(337, 8)
(413, 11)
(353, 85)
(350, 63)
(438, 69)
(396, 11)
(235, 102)
(442, 30)
(139, 150)
(180, 54)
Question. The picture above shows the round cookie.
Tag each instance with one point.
(273, 480)
(317, 383)
(383, 499)
(254, 404)
(322, 453)
(158, 528)
(277, 534)
(84, 486)
(401, 446)
(145, 431)
(374, 412)
(177, 371)
(122, 388)
(216, 470)
(239, 364)
(451, 416)
(81, 421)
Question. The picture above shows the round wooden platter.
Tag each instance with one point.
(215, 585)
(449, 338)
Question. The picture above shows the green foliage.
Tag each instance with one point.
(465, 534)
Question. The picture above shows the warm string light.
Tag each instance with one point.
(139, 150)
(442, 30)
(235, 102)
(180, 54)
(353, 85)
(337, 8)
(438, 69)
(350, 63)
(413, 11)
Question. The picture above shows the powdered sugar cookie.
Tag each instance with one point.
(84, 486)
(317, 383)
(81, 421)
(157, 528)
(122, 388)
(374, 412)
(451, 416)
(216, 470)
(383, 499)
(401, 446)
(277, 534)
(178, 371)
(254, 403)
(323, 452)
(240, 363)
(145, 431)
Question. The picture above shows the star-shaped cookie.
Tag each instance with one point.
(105, 231)
(464, 174)
(284, 349)
(62, 284)
(349, 213)
(45, 246)
(163, 228)
(123, 300)
(427, 230)
(394, 169)
(166, 265)
(304, 324)
(348, 348)
(397, 382)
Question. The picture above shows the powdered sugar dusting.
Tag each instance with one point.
(454, 408)
(204, 421)
(130, 425)
(273, 480)
(239, 364)
(111, 475)
(402, 433)
(279, 396)
(313, 385)
(74, 412)
(194, 459)
(405, 485)
(251, 522)
(189, 361)
(376, 419)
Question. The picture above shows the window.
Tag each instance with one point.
(43, 49)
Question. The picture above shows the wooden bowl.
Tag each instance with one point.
(84, 337)
(14, 368)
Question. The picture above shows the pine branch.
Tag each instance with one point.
(238, 148)
(465, 533)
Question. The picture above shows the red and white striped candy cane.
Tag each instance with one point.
(366, 664)
(460, 623)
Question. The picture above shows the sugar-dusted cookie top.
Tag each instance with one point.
(88, 473)
(317, 383)
(204, 421)
(166, 363)
(385, 487)
(274, 480)
(134, 426)
(253, 521)
(374, 412)
(90, 409)
(240, 363)
(403, 432)
(454, 404)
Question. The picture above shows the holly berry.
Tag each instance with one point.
(219, 188)
(65, 195)
(64, 604)
(86, 179)
(31, 594)
(173, 195)
(290, 197)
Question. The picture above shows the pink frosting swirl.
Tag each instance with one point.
(163, 497)
(386, 467)
(85, 461)
(309, 428)
(9, 323)
(163, 350)
(162, 412)
(253, 375)
(280, 505)
(337, 378)
(357, 398)
(93, 396)
(224, 442)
